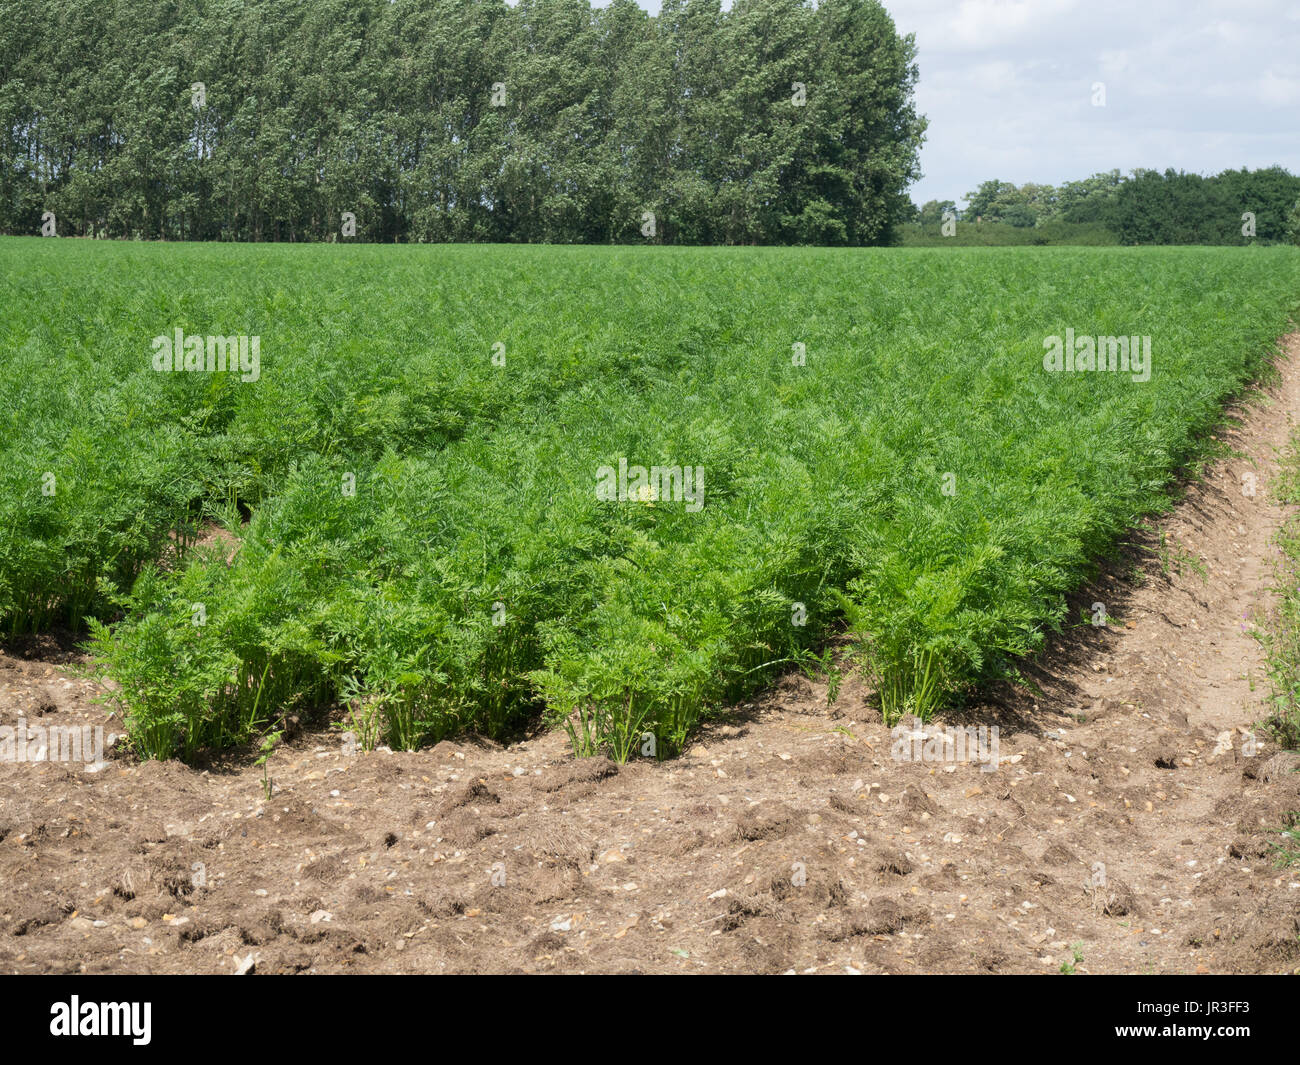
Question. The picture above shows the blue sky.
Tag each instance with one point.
(1008, 87)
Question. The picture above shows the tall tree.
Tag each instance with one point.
(546, 120)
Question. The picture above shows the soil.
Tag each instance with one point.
(1126, 829)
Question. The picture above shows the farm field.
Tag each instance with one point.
(404, 507)
(391, 535)
(1133, 824)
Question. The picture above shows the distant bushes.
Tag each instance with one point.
(1180, 208)
(997, 234)
(1147, 207)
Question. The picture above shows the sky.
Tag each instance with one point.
(1008, 87)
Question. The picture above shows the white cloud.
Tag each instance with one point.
(979, 24)
(1190, 84)
(1278, 91)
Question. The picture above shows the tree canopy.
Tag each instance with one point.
(435, 120)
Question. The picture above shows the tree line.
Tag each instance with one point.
(1144, 207)
(457, 120)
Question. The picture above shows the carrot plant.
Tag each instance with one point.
(400, 516)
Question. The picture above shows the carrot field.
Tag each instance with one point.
(433, 489)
